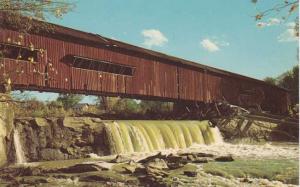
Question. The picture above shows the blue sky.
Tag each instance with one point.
(217, 33)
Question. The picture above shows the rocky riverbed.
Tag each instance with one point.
(215, 165)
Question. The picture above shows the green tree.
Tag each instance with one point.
(270, 80)
(126, 106)
(30, 106)
(55, 108)
(155, 106)
(69, 100)
(106, 103)
(290, 81)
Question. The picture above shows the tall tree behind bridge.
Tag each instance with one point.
(290, 81)
(69, 100)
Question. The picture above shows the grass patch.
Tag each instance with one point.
(286, 171)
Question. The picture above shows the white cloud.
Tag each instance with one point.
(274, 21)
(153, 37)
(270, 22)
(261, 24)
(289, 35)
(213, 45)
(209, 45)
(291, 24)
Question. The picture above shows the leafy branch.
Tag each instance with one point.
(22, 14)
(284, 10)
(277, 8)
(37, 9)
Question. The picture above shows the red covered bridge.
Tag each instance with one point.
(68, 60)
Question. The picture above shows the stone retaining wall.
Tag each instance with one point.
(59, 139)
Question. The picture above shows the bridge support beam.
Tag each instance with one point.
(201, 110)
(6, 126)
(189, 109)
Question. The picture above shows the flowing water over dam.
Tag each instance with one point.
(146, 136)
(20, 156)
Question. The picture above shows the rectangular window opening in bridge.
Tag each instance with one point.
(101, 65)
(17, 52)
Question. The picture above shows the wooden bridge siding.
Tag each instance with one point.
(146, 81)
(199, 85)
(277, 102)
(151, 77)
(230, 90)
(27, 78)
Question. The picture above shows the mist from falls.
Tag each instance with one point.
(147, 136)
(20, 156)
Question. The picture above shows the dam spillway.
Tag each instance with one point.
(147, 136)
(73, 138)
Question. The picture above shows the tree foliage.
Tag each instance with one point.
(106, 103)
(38, 9)
(270, 80)
(155, 106)
(69, 100)
(22, 14)
(132, 106)
(290, 81)
(126, 106)
(28, 105)
(283, 8)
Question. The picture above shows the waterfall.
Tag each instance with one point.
(18, 147)
(218, 136)
(146, 136)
